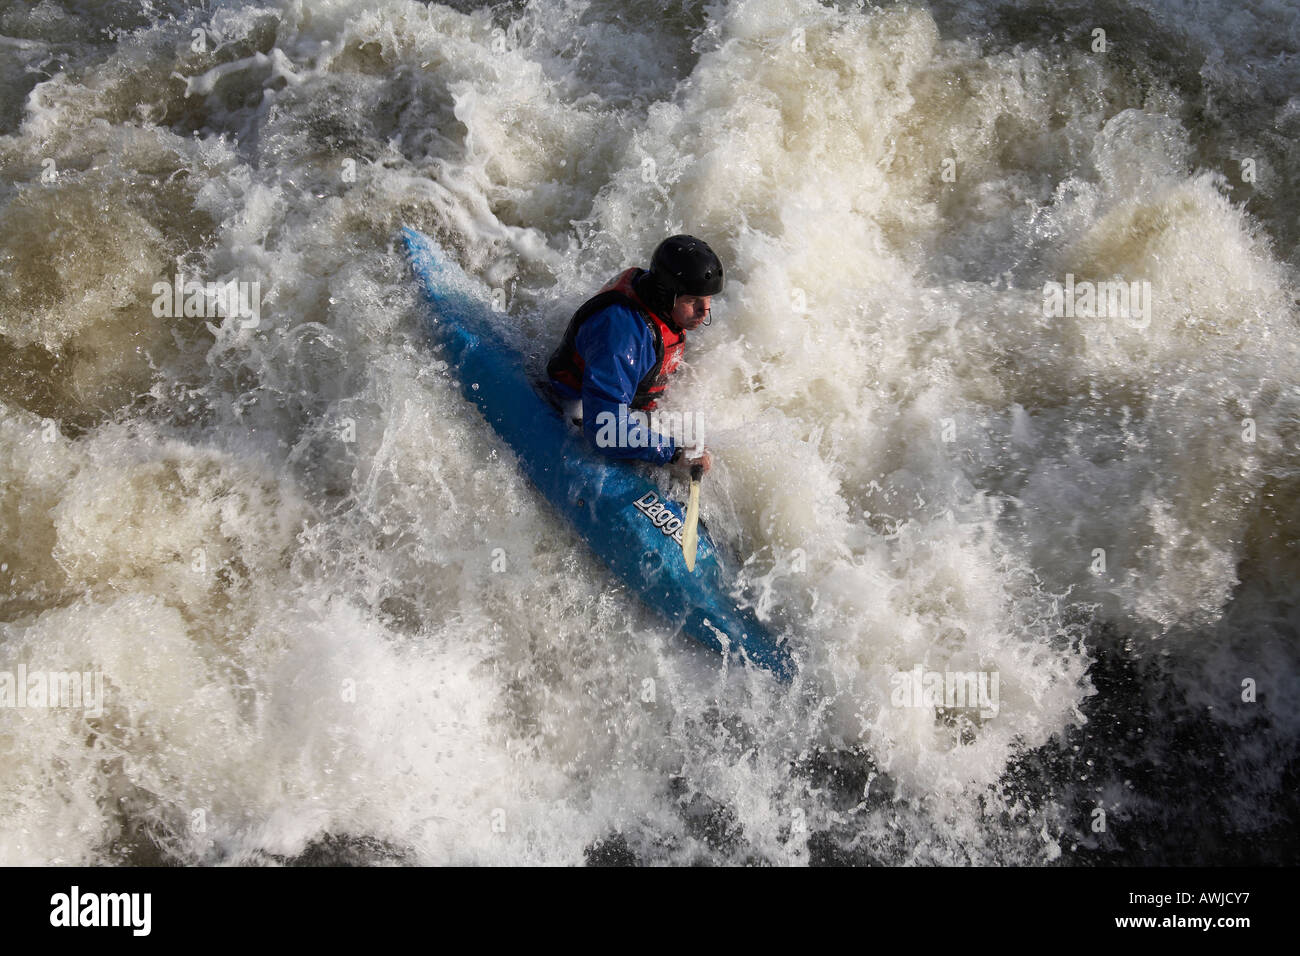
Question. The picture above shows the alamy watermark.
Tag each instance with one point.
(130, 910)
(209, 300)
(1098, 300)
(633, 428)
(47, 689)
(946, 690)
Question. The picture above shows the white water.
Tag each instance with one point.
(338, 658)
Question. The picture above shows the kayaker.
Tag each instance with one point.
(623, 343)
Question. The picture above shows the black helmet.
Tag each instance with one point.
(684, 265)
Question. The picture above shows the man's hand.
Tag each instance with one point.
(681, 468)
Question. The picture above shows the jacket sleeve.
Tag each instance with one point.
(617, 351)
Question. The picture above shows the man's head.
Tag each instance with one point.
(689, 274)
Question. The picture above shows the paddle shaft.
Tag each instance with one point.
(690, 536)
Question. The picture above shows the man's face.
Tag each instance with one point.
(690, 311)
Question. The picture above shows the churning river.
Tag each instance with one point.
(317, 613)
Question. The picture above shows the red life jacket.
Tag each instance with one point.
(566, 364)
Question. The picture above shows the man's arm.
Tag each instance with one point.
(617, 351)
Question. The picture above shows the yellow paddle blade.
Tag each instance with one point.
(691, 536)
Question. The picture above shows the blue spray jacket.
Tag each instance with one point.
(618, 350)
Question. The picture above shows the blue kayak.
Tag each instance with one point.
(624, 517)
